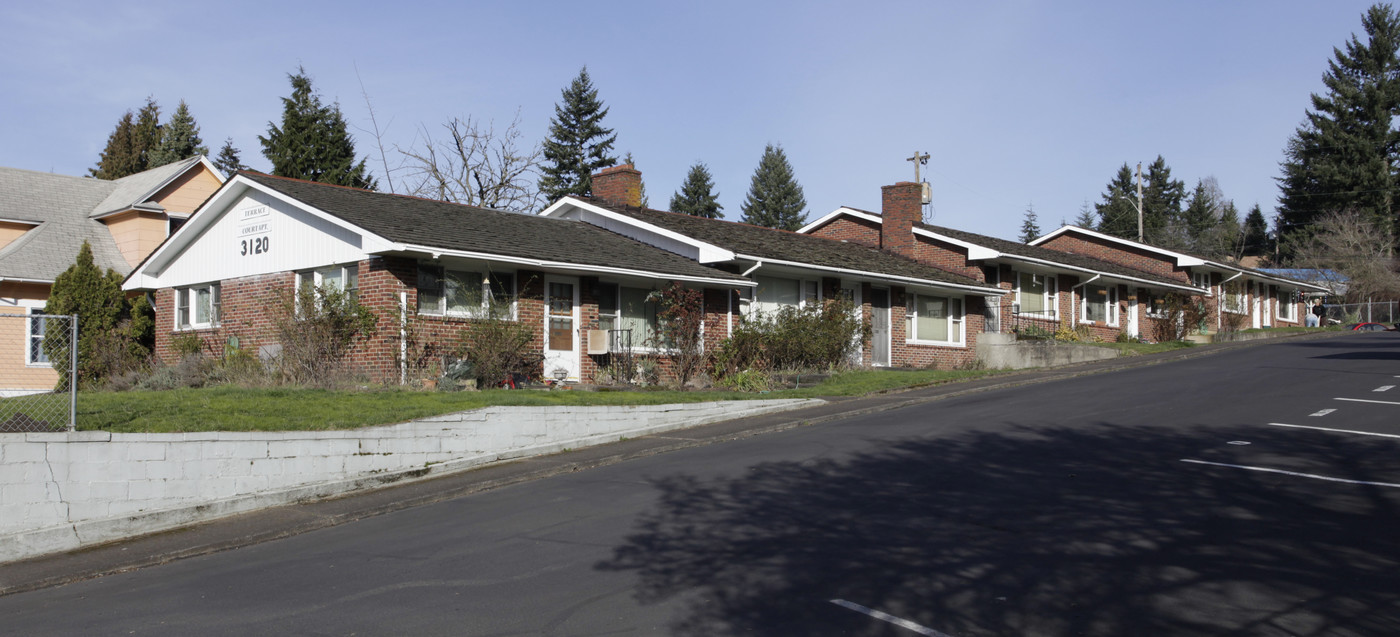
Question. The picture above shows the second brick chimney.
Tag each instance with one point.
(619, 185)
(901, 206)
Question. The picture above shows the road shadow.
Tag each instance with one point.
(1100, 530)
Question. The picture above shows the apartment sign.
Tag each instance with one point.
(254, 230)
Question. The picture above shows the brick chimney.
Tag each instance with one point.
(619, 185)
(901, 206)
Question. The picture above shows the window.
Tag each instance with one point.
(1037, 293)
(774, 293)
(933, 319)
(465, 293)
(630, 313)
(37, 325)
(1235, 299)
(1099, 305)
(1288, 306)
(1156, 303)
(197, 307)
(1201, 280)
(344, 278)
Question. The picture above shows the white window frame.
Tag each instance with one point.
(1202, 280)
(452, 276)
(349, 272)
(809, 291)
(1051, 296)
(956, 320)
(1149, 303)
(1292, 316)
(1243, 300)
(1110, 305)
(185, 308)
(29, 336)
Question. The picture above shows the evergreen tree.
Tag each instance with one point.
(1030, 226)
(775, 198)
(100, 304)
(1161, 199)
(1086, 217)
(228, 160)
(1256, 233)
(179, 139)
(312, 143)
(1343, 155)
(697, 197)
(1202, 212)
(578, 145)
(121, 157)
(1118, 211)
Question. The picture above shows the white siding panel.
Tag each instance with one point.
(260, 234)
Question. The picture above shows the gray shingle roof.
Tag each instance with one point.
(60, 204)
(137, 188)
(782, 245)
(451, 226)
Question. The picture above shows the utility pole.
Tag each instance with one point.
(1139, 202)
(922, 160)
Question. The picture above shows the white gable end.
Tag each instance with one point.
(254, 234)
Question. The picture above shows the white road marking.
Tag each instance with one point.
(1237, 442)
(1324, 412)
(1384, 388)
(1293, 473)
(1363, 400)
(1340, 431)
(902, 623)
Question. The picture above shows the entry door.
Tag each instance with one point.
(1267, 315)
(1254, 316)
(880, 327)
(561, 334)
(1131, 325)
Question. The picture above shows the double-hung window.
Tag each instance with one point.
(1099, 305)
(1201, 280)
(197, 307)
(35, 354)
(1236, 300)
(1036, 294)
(466, 293)
(933, 319)
(1287, 307)
(630, 315)
(1156, 303)
(341, 278)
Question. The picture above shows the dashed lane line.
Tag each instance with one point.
(1292, 473)
(1383, 388)
(902, 623)
(1323, 412)
(1340, 431)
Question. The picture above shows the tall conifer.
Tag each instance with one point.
(313, 143)
(1118, 210)
(1030, 225)
(578, 144)
(179, 139)
(775, 199)
(697, 196)
(122, 156)
(229, 160)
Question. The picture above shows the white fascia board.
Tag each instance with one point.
(707, 253)
(974, 252)
(558, 265)
(842, 211)
(201, 219)
(1182, 260)
(888, 278)
(1107, 275)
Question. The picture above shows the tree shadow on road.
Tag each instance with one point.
(1093, 531)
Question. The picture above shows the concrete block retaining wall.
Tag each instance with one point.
(60, 491)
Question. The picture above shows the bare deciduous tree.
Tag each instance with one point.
(1353, 244)
(474, 165)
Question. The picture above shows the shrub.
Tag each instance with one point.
(316, 327)
(681, 312)
(816, 337)
(499, 348)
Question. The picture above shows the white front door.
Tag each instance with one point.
(1267, 316)
(1131, 325)
(1255, 305)
(561, 333)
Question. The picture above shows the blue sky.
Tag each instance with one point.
(1019, 102)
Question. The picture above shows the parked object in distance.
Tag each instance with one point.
(1372, 327)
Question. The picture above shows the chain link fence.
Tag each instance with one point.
(1373, 312)
(37, 367)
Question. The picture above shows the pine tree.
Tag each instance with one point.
(1202, 212)
(1086, 217)
(775, 198)
(179, 139)
(1030, 226)
(1342, 156)
(228, 160)
(578, 145)
(1161, 199)
(121, 157)
(1118, 211)
(697, 197)
(147, 131)
(1256, 233)
(312, 143)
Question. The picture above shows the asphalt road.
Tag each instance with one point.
(1211, 496)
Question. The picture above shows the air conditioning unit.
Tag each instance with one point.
(597, 342)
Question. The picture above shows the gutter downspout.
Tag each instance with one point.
(756, 265)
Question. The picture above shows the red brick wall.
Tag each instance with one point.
(904, 354)
(1136, 258)
(846, 228)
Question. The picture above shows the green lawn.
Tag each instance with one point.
(228, 408)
